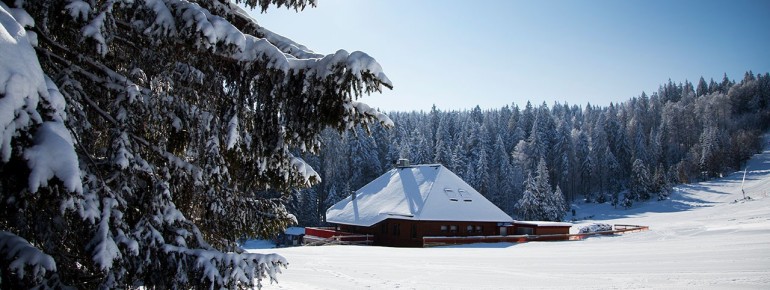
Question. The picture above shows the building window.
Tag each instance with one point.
(444, 229)
(396, 229)
(453, 229)
(524, 231)
(470, 229)
(479, 229)
(414, 231)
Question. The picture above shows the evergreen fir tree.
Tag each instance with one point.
(702, 88)
(175, 128)
(660, 183)
(641, 183)
(558, 205)
(506, 178)
(529, 207)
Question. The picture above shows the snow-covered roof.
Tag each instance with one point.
(295, 231)
(419, 192)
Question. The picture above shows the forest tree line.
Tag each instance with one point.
(533, 161)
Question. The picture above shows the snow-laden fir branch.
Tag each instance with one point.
(163, 132)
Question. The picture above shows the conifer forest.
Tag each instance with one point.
(532, 161)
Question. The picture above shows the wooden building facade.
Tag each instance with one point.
(410, 233)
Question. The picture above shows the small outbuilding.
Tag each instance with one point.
(547, 231)
(292, 236)
(410, 202)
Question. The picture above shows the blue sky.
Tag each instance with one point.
(457, 54)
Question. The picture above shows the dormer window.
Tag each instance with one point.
(451, 194)
(466, 196)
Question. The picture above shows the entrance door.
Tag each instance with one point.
(503, 231)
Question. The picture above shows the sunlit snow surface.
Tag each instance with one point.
(699, 239)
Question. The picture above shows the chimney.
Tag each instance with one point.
(402, 162)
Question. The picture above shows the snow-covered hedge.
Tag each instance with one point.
(595, 228)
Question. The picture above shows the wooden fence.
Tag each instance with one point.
(330, 236)
(432, 241)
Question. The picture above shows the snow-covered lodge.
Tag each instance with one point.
(411, 202)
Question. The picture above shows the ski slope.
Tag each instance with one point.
(703, 237)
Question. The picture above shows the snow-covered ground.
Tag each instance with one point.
(701, 238)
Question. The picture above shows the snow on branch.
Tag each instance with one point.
(22, 86)
(95, 28)
(229, 269)
(21, 81)
(297, 5)
(308, 174)
(212, 32)
(20, 254)
(366, 110)
(103, 247)
(78, 9)
(164, 23)
(232, 132)
(53, 155)
(288, 46)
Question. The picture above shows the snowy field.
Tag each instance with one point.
(699, 239)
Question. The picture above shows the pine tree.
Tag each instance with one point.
(443, 141)
(506, 178)
(364, 163)
(641, 183)
(584, 163)
(542, 182)
(539, 201)
(599, 145)
(726, 84)
(563, 155)
(660, 183)
(172, 129)
(481, 173)
(527, 119)
(529, 205)
(332, 197)
(558, 206)
(709, 158)
(702, 88)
